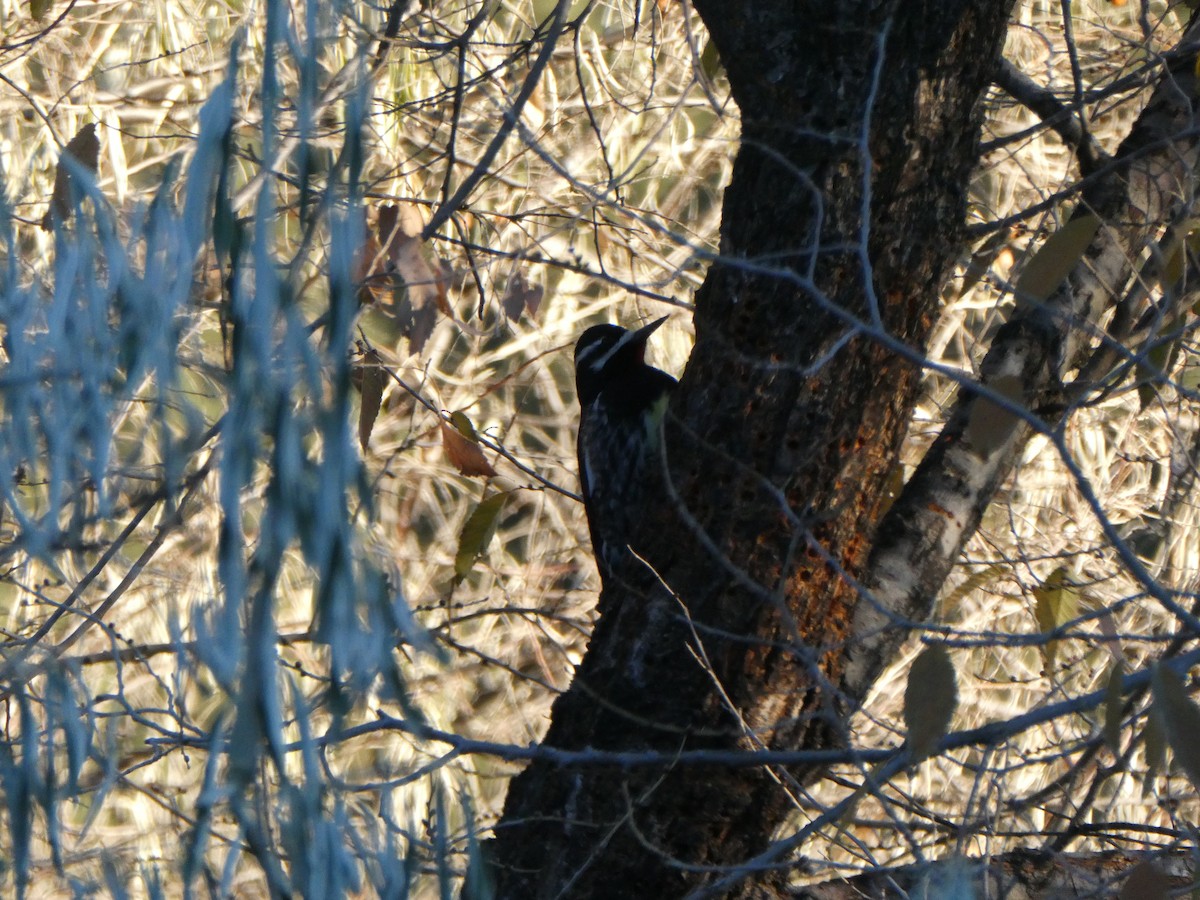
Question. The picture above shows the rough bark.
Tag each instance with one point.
(842, 219)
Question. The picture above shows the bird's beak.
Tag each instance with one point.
(643, 334)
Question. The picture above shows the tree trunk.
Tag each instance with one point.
(781, 438)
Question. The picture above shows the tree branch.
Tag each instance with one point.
(1054, 113)
(941, 506)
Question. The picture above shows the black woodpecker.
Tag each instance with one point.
(621, 401)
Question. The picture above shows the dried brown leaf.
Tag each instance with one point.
(369, 272)
(84, 148)
(520, 296)
(463, 450)
(1108, 628)
(416, 306)
(371, 383)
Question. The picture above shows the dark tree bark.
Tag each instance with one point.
(776, 580)
(843, 217)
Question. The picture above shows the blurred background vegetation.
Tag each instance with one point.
(250, 579)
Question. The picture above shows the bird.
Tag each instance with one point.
(622, 400)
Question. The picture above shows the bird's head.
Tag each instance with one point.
(604, 352)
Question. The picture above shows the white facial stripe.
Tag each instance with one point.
(588, 351)
(624, 341)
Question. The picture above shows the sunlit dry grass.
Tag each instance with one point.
(606, 197)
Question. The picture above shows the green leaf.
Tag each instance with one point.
(1156, 750)
(1053, 261)
(930, 698)
(1158, 362)
(1180, 718)
(1057, 604)
(1114, 705)
(989, 425)
(462, 422)
(477, 533)
(710, 61)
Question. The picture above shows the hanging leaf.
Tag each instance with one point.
(461, 444)
(1173, 266)
(710, 61)
(990, 425)
(1180, 718)
(371, 271)
(1158, 355)
(477, 533)
(1057, 604)
(1053, 261)
(891, 488)
(1154, 367)
(1111, 639)
(371, 379)
(1114, 706)
(521, 297)
(1156, 750)
(465, 426)
(84, 148)
(414, 306)
(930, 698)
(1169, 267)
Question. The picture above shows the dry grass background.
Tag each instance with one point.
(607, 198)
